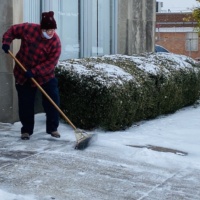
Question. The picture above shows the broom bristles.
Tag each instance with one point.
(85, 142)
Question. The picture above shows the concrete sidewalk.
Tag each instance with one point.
(51, 169)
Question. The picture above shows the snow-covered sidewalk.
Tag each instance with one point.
(119, 165)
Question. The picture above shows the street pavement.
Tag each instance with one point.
(49, 168)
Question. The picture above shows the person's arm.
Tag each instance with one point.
(14, 32)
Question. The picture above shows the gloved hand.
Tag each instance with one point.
(28, 74)
(5, 47)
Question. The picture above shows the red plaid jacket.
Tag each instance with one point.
(37, 54)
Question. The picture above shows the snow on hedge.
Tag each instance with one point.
(114, 91)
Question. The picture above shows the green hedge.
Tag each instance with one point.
(112, 92)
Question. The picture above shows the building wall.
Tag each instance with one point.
(136, 29)
(175, 42)
(136, 26)
(151, 24)
(171, 30)
(8, 102)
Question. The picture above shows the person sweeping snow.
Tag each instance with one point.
(39, 52)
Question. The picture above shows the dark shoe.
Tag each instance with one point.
(25, 136)
(55, 134)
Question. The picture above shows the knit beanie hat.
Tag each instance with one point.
(48, 21)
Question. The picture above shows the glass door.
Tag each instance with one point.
(69, 28)
(98, 32)
(86, 27)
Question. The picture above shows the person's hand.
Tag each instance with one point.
(5, 47)
(28, 74)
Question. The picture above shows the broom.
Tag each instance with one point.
(83, 139)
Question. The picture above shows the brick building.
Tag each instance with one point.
(177, 35)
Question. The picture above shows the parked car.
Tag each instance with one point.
(159, 48)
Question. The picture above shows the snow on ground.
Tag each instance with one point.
(180, 131)
(8, 196)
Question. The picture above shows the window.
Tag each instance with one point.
(97, 26)
(31, 11)
(69, 28)
(191, 41)
(86, 28)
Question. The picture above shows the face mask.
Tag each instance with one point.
(46, 35)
